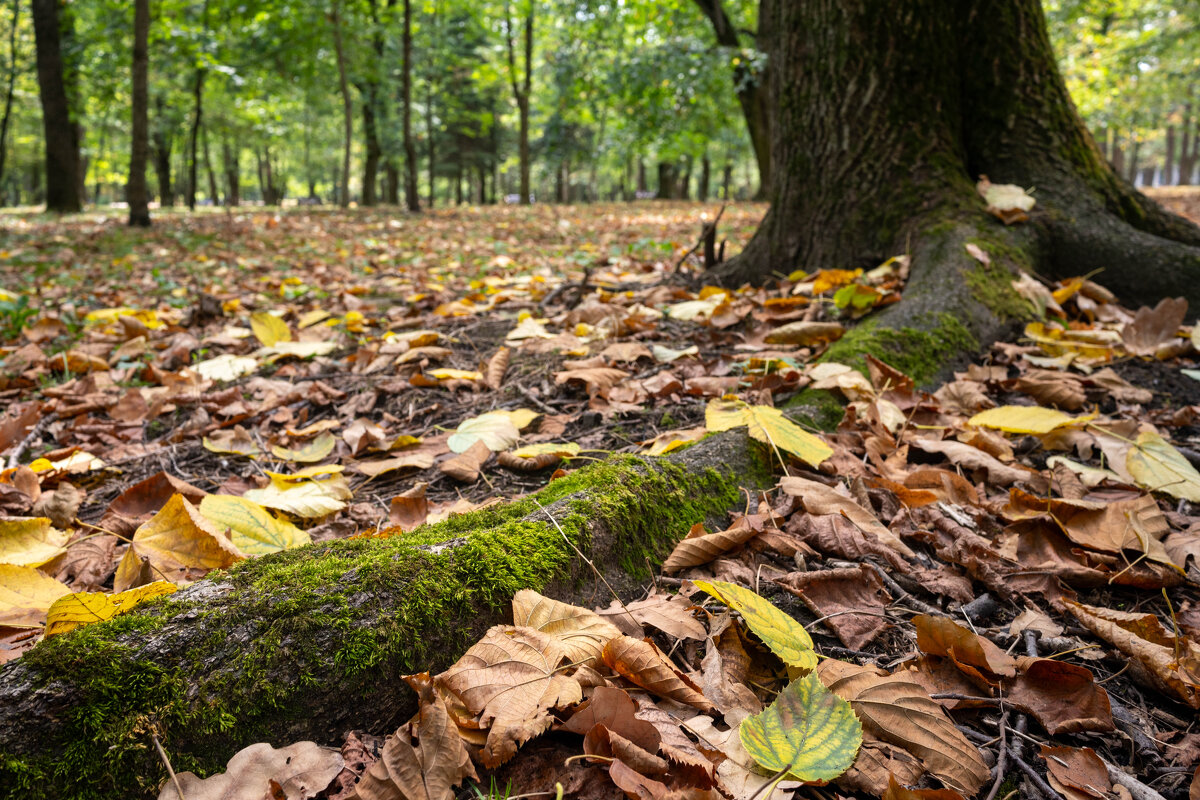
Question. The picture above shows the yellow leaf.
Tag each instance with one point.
(444, 374)
(1156, 465)
(253, 530)
(269, 329)
(828, 279)
(30, 541)
(85, 608)
(783, 635)
(1025, 419)
(808, 733)
(226, 367)
(496, 429)
(561, 449)
(767, 425)
(25, 596)
(297, 350)
(309, 452)
(310, 318)
(178, 543)
(309, 493)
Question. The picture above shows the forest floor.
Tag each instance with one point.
(364, 372)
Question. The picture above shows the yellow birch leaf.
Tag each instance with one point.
(252, 528)
(26, 595)
(315, 450)
(561, 449)
(769, 426)
(1025, 419)
(783, 635)
(30, 541)
(269, 329)
(496, 429)
(310, 493)
(179, 543)
(808, 733)
(445, 374)
(85, 608)
(1156, 465)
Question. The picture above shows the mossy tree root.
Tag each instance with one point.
(310, 643)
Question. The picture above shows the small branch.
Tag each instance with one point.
(1137, 789)
(167, 763)
(1037, 780)
(14, 458)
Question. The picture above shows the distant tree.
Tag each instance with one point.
(63, 168)
(411, 197)
(521, 86)
(136, 192)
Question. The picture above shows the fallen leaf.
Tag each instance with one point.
(178, 543)
(669, 613)
(1156, 465)
(1151, 327)
(302, 770)
(310, 452)
(85, 608)
(784, 636)
(700, 547)
(252, 528)
(1076, 772)
(269, 329)
(30, 541)
(807, 733)
(1025, 419)
(643, 664)
(821, 500)
(26, 595)
(494, 429)
(582, 633)
(769, 426)
(466, 465)
(836, 594)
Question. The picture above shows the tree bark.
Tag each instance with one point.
(136, 192)
(307, 644)
(347, 106)
(374, 151)
(752, 88)
(162, 155)
(233, 174)
(214, 191)
(194, 140)
(8, 94)
(885, 120)
(411, 198)
(61, 131)
(521, 90)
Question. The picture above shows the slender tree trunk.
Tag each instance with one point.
(61, 132)
(8, 94)
(347, 105)
(136, 192)
(1169, 158)
(1134, 152)
(411, 197)
(751, 87)
(233, 184)
(371, 138)
(642, 185)
(521, 89)
(705, 177)
(726, 180)
(162, 155)
(1187, 160)
(852, 79)
(214, 191)
(431, 133)
(194, 140)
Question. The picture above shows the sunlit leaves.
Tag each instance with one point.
(784, 635)
(769, 426)
(251, 527)
(85, 608)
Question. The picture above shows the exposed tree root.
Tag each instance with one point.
(310, 643)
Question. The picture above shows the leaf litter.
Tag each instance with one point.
(1009, 560)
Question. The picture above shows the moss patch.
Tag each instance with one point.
(817, 408)
(921, 353)
(991, 284)
(258, 652)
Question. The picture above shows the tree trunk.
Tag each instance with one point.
(233, 174)
(1134, 151)
(347, 105)
(61, 132)
(162, 155)
(1187, 159)
(521, 89)
(411, 197)
(641, 177)
(8, 94)
(855, 80)
(214, 192)
(1169, 158)
(136, 192)
(666, 180)
(705, 177)
(305, 644)
(752, 88)
(371, 137)
(194, 141)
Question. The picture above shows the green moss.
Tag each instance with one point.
(920, 353)
(817, 408)
(355, 614)
(991, 284)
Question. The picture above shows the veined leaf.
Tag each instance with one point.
(1025, 419)
(769, 426)
(783, 635)
(26, 594)
(808, 733)
(30, 541)
(252, 528)
(85, 608)
(269, 329)
(1156, 465)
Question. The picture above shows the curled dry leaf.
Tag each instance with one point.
(644, 665)
(497, 365)
(670, 613)
(821, 500)
(900, 712)
(510, 680)
(1152, 327)
(971, 653)
(466, 465)
(1063, 697)
(582, 633)
(1076, 772)
(302, 770)
(700, 547)
(836, 594)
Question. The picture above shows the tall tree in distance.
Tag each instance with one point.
(12, 80)
(884, 120)
(347, 105)
(136, 191)
(63, 176)
(411, 198)
(521, 87)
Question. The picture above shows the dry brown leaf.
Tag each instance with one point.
(644, 665)
(177, 544)
(466, 465)
(510, 679)
(700, 547)
(302, 770)
(615, 710)
(821, 500)
(1170, 663)
(670, 613)
(836, 535)
(805, 333)
(900, 712)
(141, 501)
(596, 379)
(836, 594)
(963, 397)
(897, 792)
(634, 784)
(1062, 393)
(1152, 327)
(497, 365)
(975, 655)
(409, 510)
(1063, 697)
(1076, 772)
(963, 455)
(878, 762)
(582, 633)
(60, 506)
(1118, 388)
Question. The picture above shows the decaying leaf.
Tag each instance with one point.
(644, 664)
(769, 426)
(301, 770)
(783, 635)
(581, 633)
(177, 544)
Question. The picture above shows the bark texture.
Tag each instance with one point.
(136, 192)
(310, 643)
(63, 166)
(886, 115)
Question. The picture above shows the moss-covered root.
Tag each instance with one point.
(310, 643)
(953, 304)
